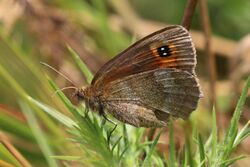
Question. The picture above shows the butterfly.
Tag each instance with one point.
(148, 82)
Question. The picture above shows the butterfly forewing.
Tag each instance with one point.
(168, 48)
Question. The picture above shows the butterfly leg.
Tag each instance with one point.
(102, 113)
(110, 133)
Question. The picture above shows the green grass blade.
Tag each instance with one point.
(85, 70)
(189, 152)
(123, 152)
(7, 156)
(243, 134)
(214, 136)
(54, 113)
(233, 160)
(10, 80)
(125, 134)
(12, 125)
(227, 144)
(236, 117)
(40, 137)
(201, 151)
(20, 92)
(185, 157)
(64, 99)
(116, 144)
(146, 161)
(171, 145)
(67, 158)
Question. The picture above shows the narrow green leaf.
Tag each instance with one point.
(146, 161)
(214, 136)
(6, 155)
(201, 151)
(67, 158)
(85, 70)
(39, 135)
(23, 95)
(228, 142)
(64, 99)
(123, 152)
(189, 152)
(125, 134)
(233, 129)
(233, 160)
(54, 113)
(171, 144)
(244, 133)
(12, 125)
(19, 90)
(185, 156)
(116, 143)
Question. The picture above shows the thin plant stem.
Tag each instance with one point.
(188, 14)
(4, 140)
(208, 50)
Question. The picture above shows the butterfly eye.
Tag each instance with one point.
(164, 51)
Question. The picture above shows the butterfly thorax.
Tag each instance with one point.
(90, 97)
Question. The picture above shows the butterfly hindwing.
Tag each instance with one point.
(137, 115)
(172, 91)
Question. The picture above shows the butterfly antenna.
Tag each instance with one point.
(58, 72)
(65, 88)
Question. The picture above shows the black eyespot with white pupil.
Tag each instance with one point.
(164, 51)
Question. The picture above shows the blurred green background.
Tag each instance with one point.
(39, 31)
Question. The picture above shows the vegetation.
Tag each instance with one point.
(41, 128)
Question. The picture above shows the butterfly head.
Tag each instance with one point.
(87, 95)
(84, 94)
(80, 94)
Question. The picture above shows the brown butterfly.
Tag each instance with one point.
(148, 82)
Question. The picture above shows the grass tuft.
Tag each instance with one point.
(226, 147)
